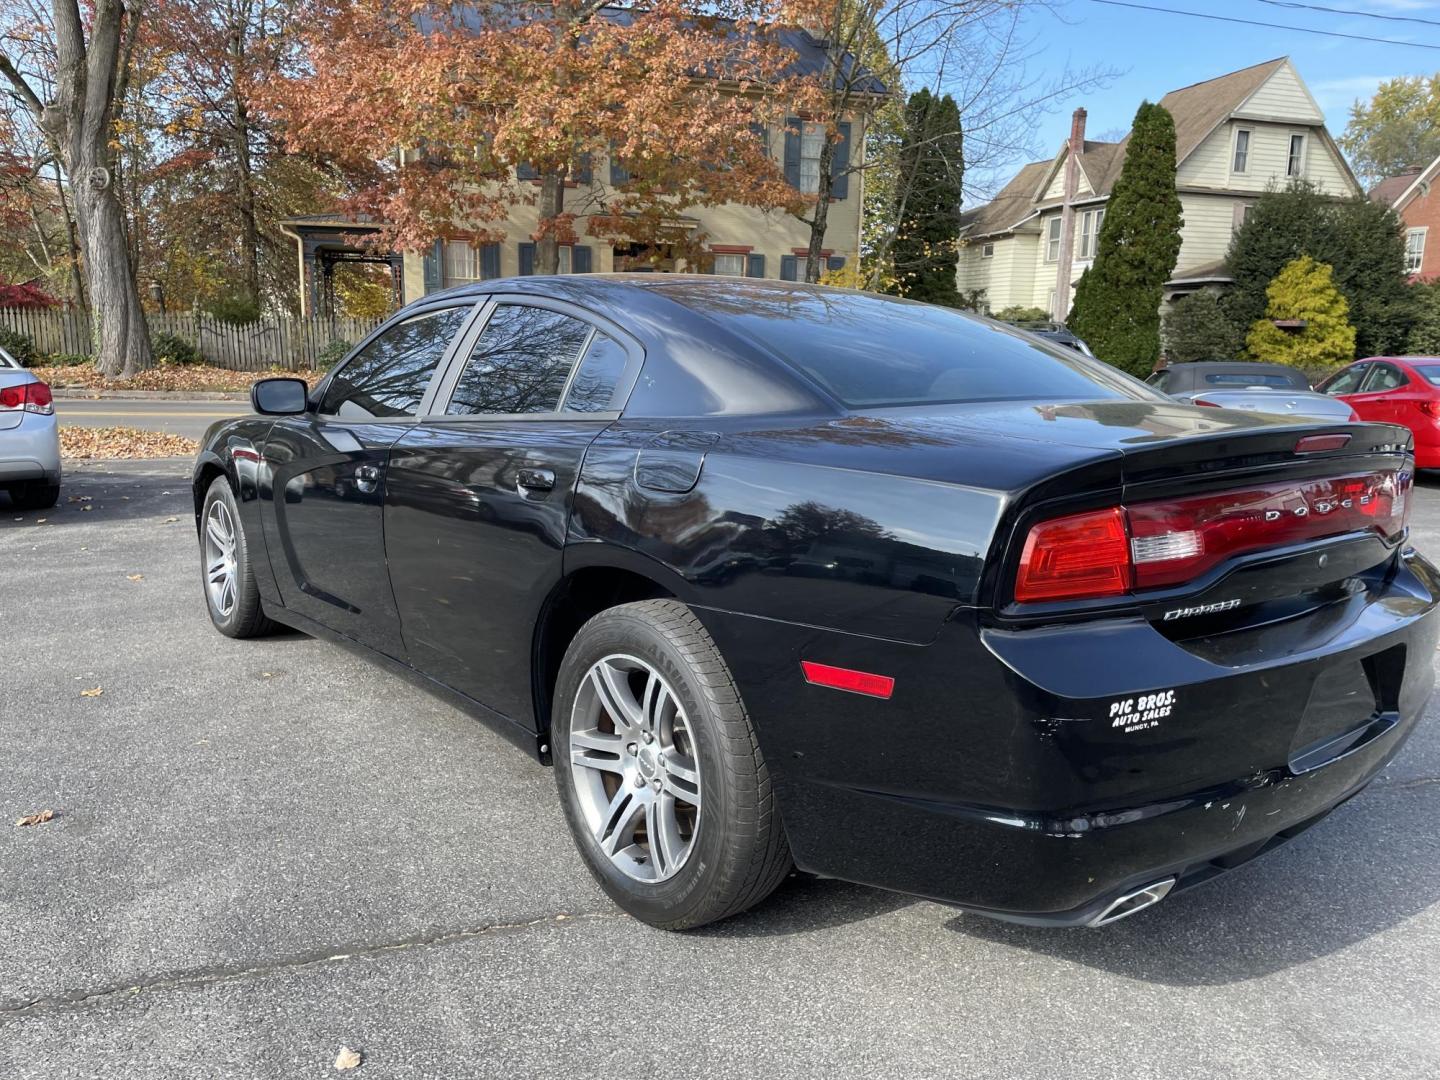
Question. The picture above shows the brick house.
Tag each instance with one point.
(1411, 195)
(1235, 136)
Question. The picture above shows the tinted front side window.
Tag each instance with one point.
(1383, 377)
(389, 376)
(1347, 382)
(598, 377)
(868, 350)
(520, 363)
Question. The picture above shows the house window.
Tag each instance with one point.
(1242, 151)
(987, 251)
(1414, 250)
(1052, 240)
(462, 261)
(1296, 161)
(812, 138)
(729, 265)
(1090, 232)
(566, 255)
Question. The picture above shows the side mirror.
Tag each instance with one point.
(280, 397)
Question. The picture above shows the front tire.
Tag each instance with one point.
(660, 775)
(231, 596)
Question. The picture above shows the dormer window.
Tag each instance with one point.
(1295, 164)
(1241, 162)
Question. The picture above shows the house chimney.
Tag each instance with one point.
(1077, 131)
(1063, 268)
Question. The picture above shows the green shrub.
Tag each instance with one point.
(1304, 292)
(332, 354)
(1197, 327)
(1017, 314)
(235, 310)
(18, 345)
(170, 349)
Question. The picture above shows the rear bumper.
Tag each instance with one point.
(996, 780)
(30, 451)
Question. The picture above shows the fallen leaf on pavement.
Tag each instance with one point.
(171, 520)
(96, 692)
(36, 819)
(135, 577)
(347, 1059)
(41, 521)
(122, 442)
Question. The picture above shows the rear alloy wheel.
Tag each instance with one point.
(659, 772)
(231, 595)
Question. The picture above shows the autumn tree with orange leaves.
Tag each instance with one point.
(435, 107)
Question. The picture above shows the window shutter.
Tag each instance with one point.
(527, 260)
(435, 267)
(792, 151)
(835, 262)
(762, 136)
(619, 174)
(526, 171)
(789, 268)
(582, 171)
(580, 259)
(840, 164)
(754, 265)
(490, 261)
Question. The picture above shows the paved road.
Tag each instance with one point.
(268, 849)
(187, 418)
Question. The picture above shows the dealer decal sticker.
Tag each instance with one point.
(1143, 712)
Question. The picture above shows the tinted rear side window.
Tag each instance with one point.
(1240, 379)
(598, 377)
(873, 351)
(390, 375)
(521, 362)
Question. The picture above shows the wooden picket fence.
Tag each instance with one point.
(292, 344)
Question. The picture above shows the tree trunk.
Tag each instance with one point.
(552, 205)
(77, 277)
(118, 328)
(814, 261)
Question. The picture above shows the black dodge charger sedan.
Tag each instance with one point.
(778, 575)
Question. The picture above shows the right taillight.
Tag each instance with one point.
(1430, 408)
(1169, 542)
(32, 397)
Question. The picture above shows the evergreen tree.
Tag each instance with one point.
(1360, 239)
(932, 165)
(1198, 328)
(1424, 337)
(1304, 291)
(1117, 302)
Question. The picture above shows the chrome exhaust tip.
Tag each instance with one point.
(1125, 906)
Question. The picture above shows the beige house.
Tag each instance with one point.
(738, 240)
(1236, 135)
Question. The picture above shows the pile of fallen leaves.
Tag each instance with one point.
(123, 442)
(191, 377)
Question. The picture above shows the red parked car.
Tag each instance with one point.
(1395, 390)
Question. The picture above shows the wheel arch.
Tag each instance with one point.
(599, 583)
(207, 468)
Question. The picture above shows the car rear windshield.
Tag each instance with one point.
(873, 351)
(1232, 379)
(1429, 372)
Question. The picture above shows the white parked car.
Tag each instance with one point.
(29, 438)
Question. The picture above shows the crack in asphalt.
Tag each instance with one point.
(1405, 785)
(17, 1009)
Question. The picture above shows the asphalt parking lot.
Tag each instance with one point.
(266, 850)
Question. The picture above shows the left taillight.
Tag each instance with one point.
(1170, 542)
(32, 397)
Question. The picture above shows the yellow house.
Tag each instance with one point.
(1235, 136)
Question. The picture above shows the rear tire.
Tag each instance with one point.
(35, 495)
(671, 804)
(231, 596)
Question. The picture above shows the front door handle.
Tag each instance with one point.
(535, 480)
(366, 477)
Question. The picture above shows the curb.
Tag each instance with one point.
(82, 394)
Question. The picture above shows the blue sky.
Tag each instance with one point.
(1157, 52)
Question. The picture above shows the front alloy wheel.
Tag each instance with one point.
(231, 595)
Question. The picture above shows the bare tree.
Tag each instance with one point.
(71, 88)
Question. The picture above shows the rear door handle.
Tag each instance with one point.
(366, 477)
(535, 480)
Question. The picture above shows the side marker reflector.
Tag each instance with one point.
(856, 682)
